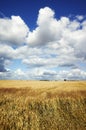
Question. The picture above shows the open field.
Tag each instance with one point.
(42, 105)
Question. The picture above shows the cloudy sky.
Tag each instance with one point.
(43, 39)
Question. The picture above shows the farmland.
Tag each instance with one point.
(42, 105)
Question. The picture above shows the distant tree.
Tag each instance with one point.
(65, 80)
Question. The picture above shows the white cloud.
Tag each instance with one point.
(50, 29)
(19, 74)
(61, 33)
(45, 74)
(47, 30)
(50, 62)
(54, 43)
(6, 51)
(74, 74)
(6, 54)
(13, 30)
(80, 17)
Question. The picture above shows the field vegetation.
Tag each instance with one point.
(42, 105)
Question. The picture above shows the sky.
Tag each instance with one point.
(43, 39)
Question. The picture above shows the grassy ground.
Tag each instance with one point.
(42, 105)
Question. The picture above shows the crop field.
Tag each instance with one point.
(42, 105)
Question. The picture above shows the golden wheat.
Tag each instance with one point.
(42, 105)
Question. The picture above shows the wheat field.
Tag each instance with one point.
(42, 105)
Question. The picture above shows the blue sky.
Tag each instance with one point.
(28, 10)
(43, 39)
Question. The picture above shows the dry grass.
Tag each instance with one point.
(42, 105)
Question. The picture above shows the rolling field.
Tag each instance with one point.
(42, 105)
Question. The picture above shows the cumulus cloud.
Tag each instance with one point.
(49, 62)
(74, 74)
(45, 74)
(6, 51)
(13, 30)
(50, 29)
(46, 30)
(62, 32)
(53, 50)
(6, 55)
(65, 36)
